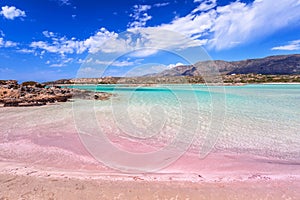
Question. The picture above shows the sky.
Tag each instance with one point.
(45, 40)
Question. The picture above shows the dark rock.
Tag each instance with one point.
(10, 103)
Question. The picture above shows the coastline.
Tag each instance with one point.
(146, 85)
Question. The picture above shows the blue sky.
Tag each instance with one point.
(52, 39)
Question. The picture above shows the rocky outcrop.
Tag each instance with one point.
(36, 94)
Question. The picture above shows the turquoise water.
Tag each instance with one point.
(256, 119)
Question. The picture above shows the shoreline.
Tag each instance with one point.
(240, 174)
(152, 85)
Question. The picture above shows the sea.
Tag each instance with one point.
(261, 120)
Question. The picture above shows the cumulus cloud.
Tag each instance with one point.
(192, 25)
(12, 12)
(140, 16)
(141, 42)
(291, 46)
(7, 44)
(154, 38)
(219, 27)
(223, 27)
(170, 66)
(239, 23)
(10, 44)
(95, 42)
(63, 45)
(205, 5)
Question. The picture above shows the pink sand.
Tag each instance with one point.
(44, 140)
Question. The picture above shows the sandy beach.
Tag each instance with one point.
(47, 187)
(22, 181)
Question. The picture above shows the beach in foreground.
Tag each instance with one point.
(47, 187)
(43, 157)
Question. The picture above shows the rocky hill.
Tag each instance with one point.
(272, 65)
(284, 68)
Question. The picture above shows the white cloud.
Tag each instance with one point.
(116, 63)
(63, 45)
(192, 25)
(219, 27)
(161, 4)
(12, 12)
(60, 45)
(62, 63)
(239, 23)
(25, 51)
(235, 24)
(10, 44)
(7, 44)
(81, 61)
(48, 34)
(170, 66)
(2, 33)
(205, 5)
(57, 65)
(291, 46)
(154, 38)
(141, 8)
(139, 15)
(140, 53)
(141, 42)
(95, 42)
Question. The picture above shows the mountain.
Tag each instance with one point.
(275, 65)
(284, 68)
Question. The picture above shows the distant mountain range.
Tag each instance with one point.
(275, 65)
(284, 68)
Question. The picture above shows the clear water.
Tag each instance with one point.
(256, 119)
